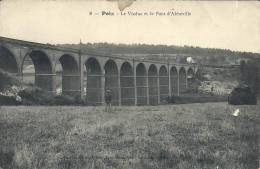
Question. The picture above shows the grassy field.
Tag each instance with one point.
(190, 136)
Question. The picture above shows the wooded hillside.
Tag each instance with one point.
(162, 52)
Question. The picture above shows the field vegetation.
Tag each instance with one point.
(190, 136)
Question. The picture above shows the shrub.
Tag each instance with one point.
(12, 93)
(35, 95)
(195, 99)
(7, 80)
(242, 95)
(63, 100)
(80, 101)
(9, 100)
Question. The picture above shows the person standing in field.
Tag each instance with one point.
(108, 100)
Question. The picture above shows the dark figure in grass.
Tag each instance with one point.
(108, 100)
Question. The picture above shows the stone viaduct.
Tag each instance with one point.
(132, 81)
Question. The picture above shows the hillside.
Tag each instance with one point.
(178, 54)
(162, 52)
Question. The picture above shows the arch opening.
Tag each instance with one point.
(190, 78)
(127, 84)
(152, 84)
(174, 81)
(141, 84)
(111, 80)
(68, 76)
(164, 84)
(94, 87)
(28, 70)
(7, 61)
(37, 70)
(182, 80)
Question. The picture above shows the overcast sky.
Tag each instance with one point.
(229, 25)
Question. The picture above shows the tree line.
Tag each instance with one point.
(208, 55)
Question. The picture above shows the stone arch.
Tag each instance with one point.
(8, 61)
(94, 86)
(40, 65)
(190, 78)
(141, 84)
(111, 80)
(163, 83)
(153, 85)
(70, 75)
(174, 81)
(127, 84)
(182, 80)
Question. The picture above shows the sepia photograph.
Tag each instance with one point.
(129, 84)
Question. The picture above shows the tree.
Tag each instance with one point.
(249, 74)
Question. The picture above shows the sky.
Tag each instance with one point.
(231, 25)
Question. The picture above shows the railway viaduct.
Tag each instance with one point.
(132, 81)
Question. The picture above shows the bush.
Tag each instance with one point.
(11, 93)
(242, 95)
(80, 101)
(63, 100)
(7, 80)
(35, 96)
(195, 99)
(8, 100)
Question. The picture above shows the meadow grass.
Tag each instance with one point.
(187, 136)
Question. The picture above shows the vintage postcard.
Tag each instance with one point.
(129, 84)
